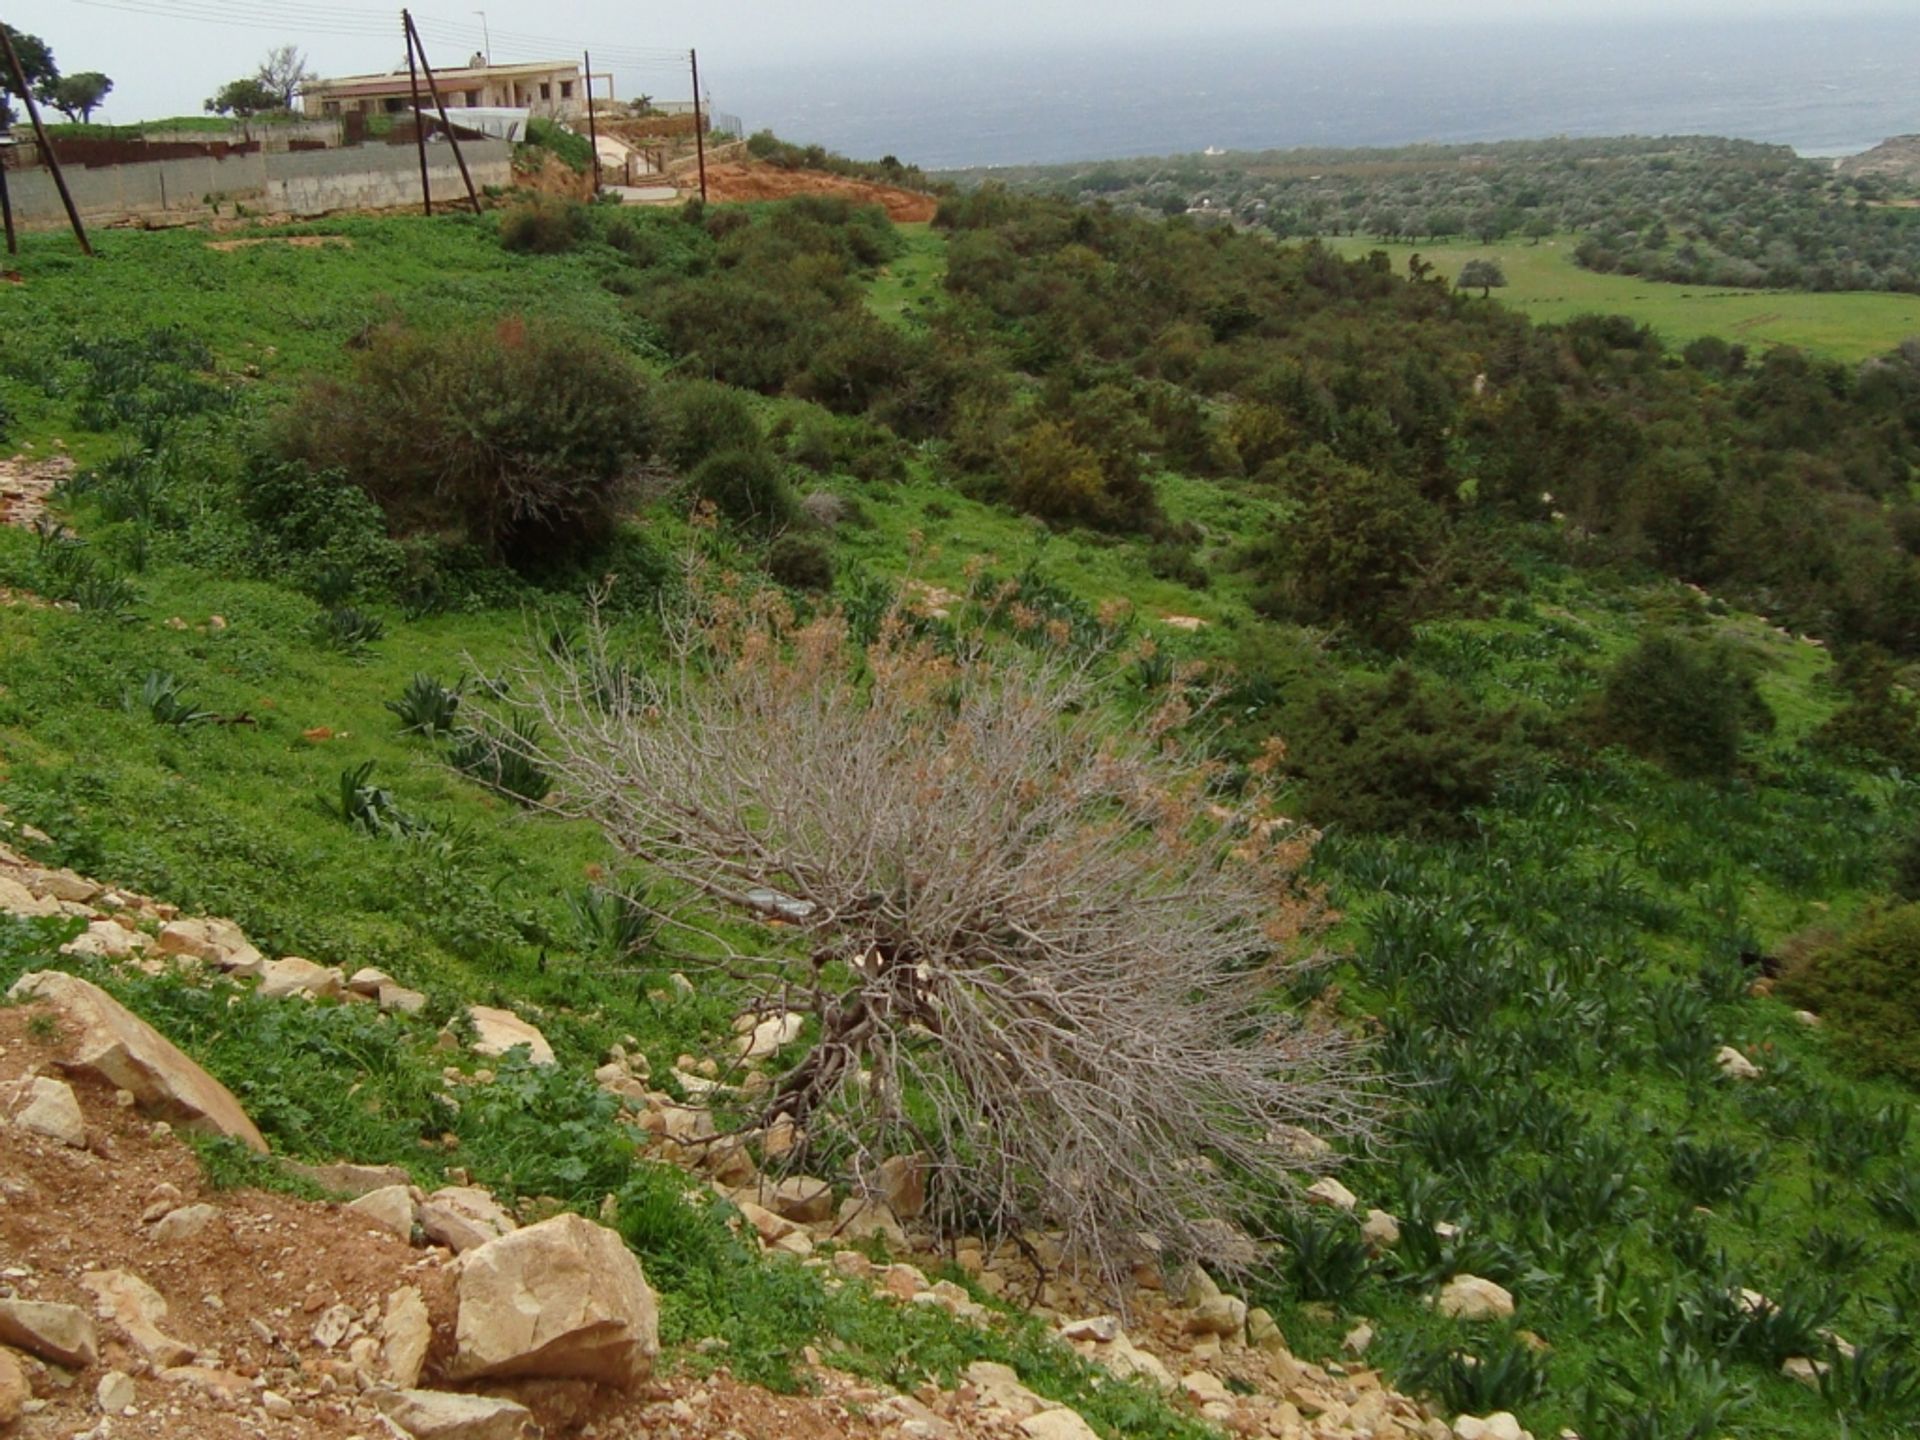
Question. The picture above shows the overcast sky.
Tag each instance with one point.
(166, 56)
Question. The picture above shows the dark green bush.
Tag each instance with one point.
(1396, 754)
(513, 436)
(1880, 720)
(748, 487)
(804, 562)
(1866, 985)
(544, 226)
(696, 418)
(1686, 705)
(1906, 866)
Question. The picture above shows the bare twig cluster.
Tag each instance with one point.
(1041, 942)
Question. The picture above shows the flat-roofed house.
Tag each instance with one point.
(554, 89)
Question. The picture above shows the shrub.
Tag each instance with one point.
(512, 436)
(317, 530)
(1686, 705)
(693, 419)
(1906, 866)
(426, 707)
(1880, 720)
(544, 226)
(162, 697)
(748, 487)
(1358, 554)
(804, 562)
(1397, 754)
(1867, 986)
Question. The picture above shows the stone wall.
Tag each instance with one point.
(301, 182)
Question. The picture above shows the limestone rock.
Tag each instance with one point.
(368, 981)
(1469, 1297)
(1298, 1145)
(1498, 1426)
(561, 1299)
(439, 1415)
(48, 1107)
(183, 1223)
(390, 1207)
(104, 940)
(405, 1334)
(1380, 1230)
(1263, 1333)
(1211, 1313)
(280, 979)
(861, 1219)
(15, 1392)
(802, 1198)
(137, 1309)
(771, 1228)
(1059, 1423)
(1101, 1329)
(117, 1046)
(1128, 1361)
(903, 1185)
(1359, 1339)
(499, 1031)
(461, 1217)
(342, 1178)
(771, 1035)
(399, 997)
(999, 1385)
(1734, 1065)
(63, 1334)
(114, 1393)
(17, 899)
(1329, 1191)
(1803, 1370)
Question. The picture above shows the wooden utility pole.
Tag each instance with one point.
(6, 200)
(46, 145)
(419, 119)
(593, 129)
(433, 86)
(699, 126)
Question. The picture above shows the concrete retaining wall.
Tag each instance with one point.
(300, 182)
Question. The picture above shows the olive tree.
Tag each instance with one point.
(1037, 941)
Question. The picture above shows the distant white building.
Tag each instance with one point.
(553, 89)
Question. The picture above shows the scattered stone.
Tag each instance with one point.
(332, 1327)
(1803, 1370)
(137, 1309)
(1380, 1230)
(1498, 1426)
(1359, 1339)
(15, 1392)
(63, 1334)
(771, 1228)
(861, 1219)
(346, 1179)
(1212, 1313)
(399, 997)
(802, 1198)
(17, 899)
(276, 1404)
(1129, 1362)
(405, 1333)
(48, 1107)
(280, 979)
(1263, 1332)
(1329, 1191)
(1807, 1018)
(1101, 1329)
(561, 1299)
(903, 1185)
(390, 1207)
(220, 1385)
(999, 1385)
(1058, 1423)
(1468, 1297)
(771, 1035)
(183, 1224)
(368, 981)
(1734, 1065)
(104, 940)
(114, 1393)
(118, 1047)
(499, 1032)
(461, 1217)
(439, 1415)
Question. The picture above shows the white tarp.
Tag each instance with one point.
(501, 124)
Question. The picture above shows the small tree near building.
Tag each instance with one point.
(1481, 275)
(243, 98)
(285, 73)
(78, 96)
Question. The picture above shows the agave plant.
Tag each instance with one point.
(426, 707)
(162, 698)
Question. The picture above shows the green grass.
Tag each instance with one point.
(910, 283)
(1545, 284)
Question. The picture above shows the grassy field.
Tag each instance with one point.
(1550, 991)
(1545, 284)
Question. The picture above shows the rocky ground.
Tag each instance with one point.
(136, 1301)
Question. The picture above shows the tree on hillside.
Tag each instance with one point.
(243, 98)
(285, 73)
(78, 96)
(1481, 275)
(36, 59)
(1035, 944)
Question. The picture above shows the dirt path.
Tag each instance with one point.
(748, 181)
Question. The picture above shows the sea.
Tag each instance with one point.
(1825, 87)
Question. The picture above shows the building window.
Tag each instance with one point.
(473, 99)
(546, 91)
(329, 107)
(566, 89)
(394, 104)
